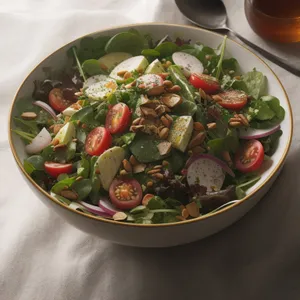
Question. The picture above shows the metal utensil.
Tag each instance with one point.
(212, 15)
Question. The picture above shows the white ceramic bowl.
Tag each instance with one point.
(163, 235)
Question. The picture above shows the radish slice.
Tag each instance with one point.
(41, 141)
(152, 83)
(221, 163)
(46, 107)
(107, 207)
(252, 133)
(188, 63)
(95, 209)
(206, 172)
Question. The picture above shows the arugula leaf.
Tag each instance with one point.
(95, 180)
(227, 83)
(256, 83)
(128, 138)
(29, 126)
(101, 112)
(29, 168)
(78, 63)
(222, 52)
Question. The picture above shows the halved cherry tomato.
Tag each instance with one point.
(125, 193)
(207, 83)
(57, 100)
(97, 141)
(233, 99)
(250, 156)
(55, 169)
(118, 118)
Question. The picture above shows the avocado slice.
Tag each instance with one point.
(66, 133)
(111, 60)
(155, 68)
(108, 165)
(181, 132)
(137, 63)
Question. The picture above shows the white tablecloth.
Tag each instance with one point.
(43, 257)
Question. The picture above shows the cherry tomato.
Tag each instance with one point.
(118, 118)
(57, 100)
(55, 169)
(97, 141)
(125, 193)
(250, 156)
(207, 83)
(233, 99)
(146, 199)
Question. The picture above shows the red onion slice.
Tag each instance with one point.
(221, 163)
(41, 141)
(107, 207)
(46, 107)
(252, 133)
(95, 209)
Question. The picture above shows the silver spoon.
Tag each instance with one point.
(212, 15)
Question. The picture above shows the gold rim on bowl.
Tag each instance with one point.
(100, 219)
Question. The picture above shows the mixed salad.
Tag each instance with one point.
(146, 131)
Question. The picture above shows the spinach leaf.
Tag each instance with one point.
(156, 203)
(186, 108)
(84, 115)
(270, 142)
(144, 148)
(82, 187)
(166, 49)
(48, 153)
(256, 83)
(92, 67)
(230, 64)
(150, 52)
(228, 143)
(83, 168)
(125, 42)
(60, 185)
(29, 168)
(176, 161)
(265, 112)
(37, 161)
(90, 48)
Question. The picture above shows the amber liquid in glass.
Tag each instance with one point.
(276, 20)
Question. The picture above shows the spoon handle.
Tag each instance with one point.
(288, 65)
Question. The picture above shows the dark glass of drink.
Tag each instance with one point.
(276, 20)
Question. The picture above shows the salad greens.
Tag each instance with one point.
(134, 131)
